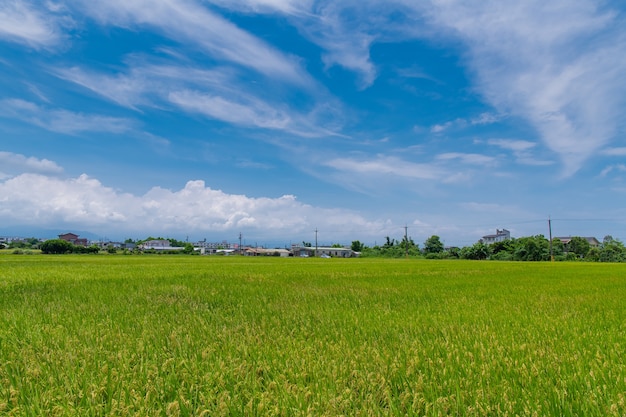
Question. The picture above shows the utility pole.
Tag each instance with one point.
(316, 242)
(406, 242)
(550, 234)
(240, 249)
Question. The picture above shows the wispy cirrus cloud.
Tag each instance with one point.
(61, 120)
(467, 158)
(512, 144)
(25, 23)
(146, 84)
(382, 165)
(289, 7)
(253, 113)
(485, 118)
(614, 151)
(522, 151)
(557, 65)
(216, 93)
(189, 22)
(613, 168)
(548, 62)
(344, 30)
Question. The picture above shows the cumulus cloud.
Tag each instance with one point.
(12, 164)
(86, 203)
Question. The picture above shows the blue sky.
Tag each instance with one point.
(276, 118)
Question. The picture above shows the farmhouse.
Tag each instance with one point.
(206, 248)
(283, 253)
(158, 245)
(73, 239)
(307, 251)
(500, 236)
(593, 242)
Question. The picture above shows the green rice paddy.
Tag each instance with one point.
(223, 336)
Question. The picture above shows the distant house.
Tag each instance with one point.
(593, 242)
(206, 248)
(501, 235)
(158, 245)
(307, 251)
(73, 239)
(283, 253)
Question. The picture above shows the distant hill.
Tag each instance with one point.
(42, 233)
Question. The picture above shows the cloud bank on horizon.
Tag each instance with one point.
(356, 118)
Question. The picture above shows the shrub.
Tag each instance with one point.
(56, 247)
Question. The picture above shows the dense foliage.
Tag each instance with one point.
(531, 248)
(60, 246)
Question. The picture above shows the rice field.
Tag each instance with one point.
(230, 336)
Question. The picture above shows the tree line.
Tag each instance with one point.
(531, 248)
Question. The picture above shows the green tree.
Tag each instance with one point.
(433, 245)
(188, 248)
(357, 246)
(389, 242)
(579, 246)
(532, 248)
(557, 247)
(478, 251)
(56, 247)
(612, 250)
(454, 252)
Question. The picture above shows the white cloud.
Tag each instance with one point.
(618, 168)
(60, 120)
(12, 164)
(253, 113)
(215, 93)
(481, 119)
(512, 144)
(189, 22)
(614, 151)
(24, 23)
(467, 158)
(148, 84)
(344, 30)
(522, 150)
(557, 64)
(289, 7)
(84, 202)
(486, 119)
(384, 166)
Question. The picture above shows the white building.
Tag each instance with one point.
(500, 236)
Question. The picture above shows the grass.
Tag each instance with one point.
(159, 335)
